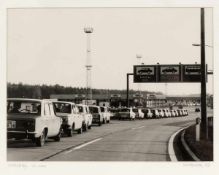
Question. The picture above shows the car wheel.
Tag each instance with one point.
(71, 131)
(80, 130)
(86, 127)
(89, 127)
(100, 123)
(58, 137)
(40, 141)
(104, 121)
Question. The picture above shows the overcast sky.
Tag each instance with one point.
(48, 46)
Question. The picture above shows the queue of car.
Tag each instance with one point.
(146, 113)
(38, 120)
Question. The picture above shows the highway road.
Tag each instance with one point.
(139, 140)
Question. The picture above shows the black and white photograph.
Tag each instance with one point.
(110, 84)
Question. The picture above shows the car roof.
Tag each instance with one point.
(93, 106)
(66, 102)
(26, 99)
(81, 105)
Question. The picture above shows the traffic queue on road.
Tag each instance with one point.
(146, 113)
(40, 119)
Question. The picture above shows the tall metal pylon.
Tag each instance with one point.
(88, 31)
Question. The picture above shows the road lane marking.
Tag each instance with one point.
(83, 145)
(88, 143)
(194, 157)
(171, 151)
(139, 127)
(67, 152)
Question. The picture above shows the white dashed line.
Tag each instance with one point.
(83, 145)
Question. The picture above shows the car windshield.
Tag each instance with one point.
(24, 107)
(102, 109)
(144, 110)
(113, 110)
(80, 108)
(135, 110)
(62, 107)
(93, 110)
(125, 110)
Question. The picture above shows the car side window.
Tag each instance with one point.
(46, 109)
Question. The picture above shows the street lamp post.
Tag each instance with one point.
(204, 126)
(88, 31)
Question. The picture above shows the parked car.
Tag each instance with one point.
(126, 113)
(172, 113)
(166, 113)
(138, 113)
(106, 114)
(197, 110)
(169, 113)
(87, 117)
(155, 113)
(97, 114)
(180, 112)
(114, 113)
(186, 112)
(161, 113)
(32, 119)
(71, 119)
(147, 113)
(176, 113)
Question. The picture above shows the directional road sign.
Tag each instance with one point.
(167, 73)
(191, 73)
(144, 73)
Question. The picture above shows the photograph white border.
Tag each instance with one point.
(106, 168)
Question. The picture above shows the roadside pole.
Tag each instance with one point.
(204, 127)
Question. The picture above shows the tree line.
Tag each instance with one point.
(21, 90)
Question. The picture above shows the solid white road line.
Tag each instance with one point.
(194, 157)
(83, 145)
(171, 151)
(88, 143)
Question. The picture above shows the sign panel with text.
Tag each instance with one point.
(143, 73)
(169, 73)
(192, 73)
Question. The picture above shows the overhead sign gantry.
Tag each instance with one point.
(167, 73)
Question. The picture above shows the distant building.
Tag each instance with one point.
(141, 100)
(116, 100)
(153, 100)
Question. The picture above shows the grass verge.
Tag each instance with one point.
(202, 149)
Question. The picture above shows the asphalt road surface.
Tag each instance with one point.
(139, 140)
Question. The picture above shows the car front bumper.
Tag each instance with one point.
(21, 134)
